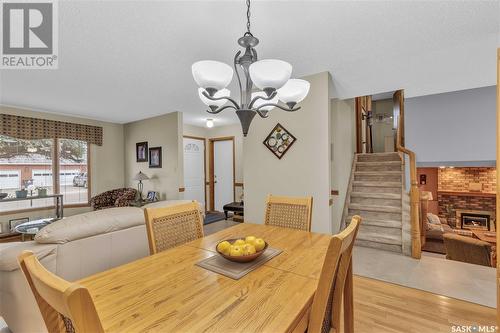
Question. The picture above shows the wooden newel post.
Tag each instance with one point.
(416, 245)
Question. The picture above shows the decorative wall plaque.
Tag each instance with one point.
(279, 141)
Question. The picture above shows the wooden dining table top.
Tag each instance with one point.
(168, 292)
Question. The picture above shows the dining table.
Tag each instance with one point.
(168, 292)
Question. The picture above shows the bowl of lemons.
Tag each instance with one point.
(241, 249)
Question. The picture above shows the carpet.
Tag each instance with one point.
(212, 217)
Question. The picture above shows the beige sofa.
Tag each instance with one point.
(72, 248)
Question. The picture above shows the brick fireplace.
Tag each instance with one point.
(466, 197)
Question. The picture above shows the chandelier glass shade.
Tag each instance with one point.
(270, 76)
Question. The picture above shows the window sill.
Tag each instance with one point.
(27, 210)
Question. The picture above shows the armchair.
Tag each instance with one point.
(120, 197)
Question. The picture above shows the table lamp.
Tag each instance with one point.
(140, 177)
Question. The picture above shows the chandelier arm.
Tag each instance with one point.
(221, 109)
(264, 114)
(237, 107)
(262, 97)
(277, 106)
(237, 73)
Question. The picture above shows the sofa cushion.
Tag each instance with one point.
(90, 224)
(10, 251)
(433, 219)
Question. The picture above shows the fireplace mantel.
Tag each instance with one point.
(469, 194)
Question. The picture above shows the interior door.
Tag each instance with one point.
(194, 169)
(223, 160)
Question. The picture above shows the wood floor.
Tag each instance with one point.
(381, 307)
(384, 307)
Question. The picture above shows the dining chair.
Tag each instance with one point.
(66, 307)
(335, 281)
(172, 226)
(289, 212)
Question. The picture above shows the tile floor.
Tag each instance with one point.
(431, 273)
(218, 226)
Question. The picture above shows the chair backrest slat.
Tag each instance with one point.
(289, 212)
(172, 226)
(65, 307)
(327, 304)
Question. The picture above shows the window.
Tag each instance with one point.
(31, 164)
(73, 176)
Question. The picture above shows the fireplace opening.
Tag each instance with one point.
(475, 221)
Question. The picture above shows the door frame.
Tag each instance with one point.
(204, 162)
(211, 168)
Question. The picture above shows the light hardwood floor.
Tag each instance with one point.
(385, 307)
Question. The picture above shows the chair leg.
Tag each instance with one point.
(348, 302)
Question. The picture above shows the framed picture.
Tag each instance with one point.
(141, 151)
(153, 196)
(14, 222)
(155, 157)
(279, 141)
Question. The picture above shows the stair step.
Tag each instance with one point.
(369, 235)
(374, 215)
(376, 195)
(374, 208)
(379, 162)
(385, 176)
(376, 222)
(378, 157)
(376, 202)
(379, 166)
(380, 246)
(376, 184)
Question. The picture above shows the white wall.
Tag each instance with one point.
(343, 136)
(305, 168)
(452, 127)
(163, 131)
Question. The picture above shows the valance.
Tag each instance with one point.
(35, 128)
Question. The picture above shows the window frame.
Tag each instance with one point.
(55, 181)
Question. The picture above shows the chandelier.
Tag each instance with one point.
(271, 76)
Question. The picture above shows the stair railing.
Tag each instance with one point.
(416, 248)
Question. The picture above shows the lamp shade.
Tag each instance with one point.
(270, 73)
(260, 101)
(212, 74)
(294, 91)
(140, 176)
(221, 93)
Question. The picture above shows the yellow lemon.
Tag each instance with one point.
(250, 240)
(239, 242)
(236, 251)
(259, 244)
(224, 247)
(248, 249)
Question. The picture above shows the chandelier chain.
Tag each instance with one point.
(248, 16)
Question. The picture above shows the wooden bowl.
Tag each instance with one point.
(247, 258)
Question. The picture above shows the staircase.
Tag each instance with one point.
(376, 194)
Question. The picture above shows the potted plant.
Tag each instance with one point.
(42, 191)
(23, 193)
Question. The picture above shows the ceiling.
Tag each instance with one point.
(122, 61)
